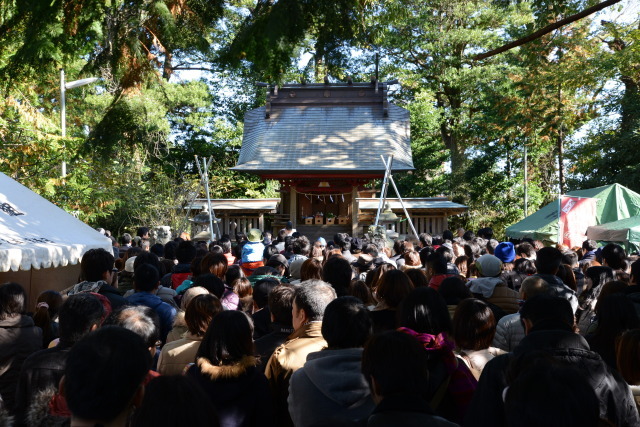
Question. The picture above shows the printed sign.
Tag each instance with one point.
(576, 214)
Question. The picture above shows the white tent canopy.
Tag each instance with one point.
(35, 233)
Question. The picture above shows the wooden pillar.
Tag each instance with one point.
(261, 221)
(293, 211)
(355, 227)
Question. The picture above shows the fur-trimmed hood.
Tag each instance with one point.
(236, 370)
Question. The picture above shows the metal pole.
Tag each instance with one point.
(383, 190)
(526, 183)
(63, 123)
(413, 229)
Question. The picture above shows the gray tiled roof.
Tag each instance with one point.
(436, 203)
(323, 138)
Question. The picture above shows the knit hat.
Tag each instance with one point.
(254, 235)
(505, 252)
(489, 266)
(322, 241)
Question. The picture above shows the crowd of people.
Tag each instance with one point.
(438, 330)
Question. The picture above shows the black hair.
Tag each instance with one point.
(343, 241)
(616, 314)
(544, 310)
(183, 402)
(614, 255)
(234, 272)
(228, 339)
(262, 289)
(211, 283)
(280, 301)
(157, 249)
(525, 265)
(525, 248)
(437, 262)
(486, 233)
(142, 320)
(635, 271)
(185, 252)
(269, 251)
(225, 244)
(425, 239)
(78, 314)
(45, 315)
(142, 231)
(570, 258)
(103, 372)
(146, 278)
(398, 363)
(468, 235)
(12, 300)
(447, 235)
(454, 290)
(94, 263)
(548, 260)
(147, 258)
(589, 245)
(313, 296)
(170, 250)
(446, 253)
(346, 323)
(125, 239)
(338, 273)
(425, 312)
(301, 246)
(425, 253)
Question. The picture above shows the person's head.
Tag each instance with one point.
(346, 323)
(548, 260)
(228, 339)
(627, 356)
(199, 313)
(190, 294)
(616, 313)
(212, 283)
(425, 240)
(96, 265)
(183, 402)
(146, 278)
(185, 252)
(311, 269)
(309, 302)
(147, 258)
(395, 363)
(393, 287)
(225, 244)
(453, 290)
(589, 245)
(337, 272)
(360, 290)
(532, 286)
(143, 233)
(142, 320)
(343, 241)
(551, 393)
(242, 287)
(234, 272)
(262, 289)
(79, 315)
(157, 249)
(412, 258)
(505, 251)
(525, 250)
(570, 258)
(104, 374)
(215, 264)
(301, 246)
(488, 266)
(547, 312)
(525, 266)
(12, 300)
(170, 250)
(436, 263)
(47, 307)
(278, 262)
(280, 303)
(613, 256)
(417, 277)
(424, 311)
(125, 239)
(474, 325)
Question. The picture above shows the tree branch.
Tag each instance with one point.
(549, 28)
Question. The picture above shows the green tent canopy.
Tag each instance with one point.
(614, 202)
(625, 232)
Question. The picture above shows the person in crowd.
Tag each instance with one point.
(589, 247)
(548, 262)
(343, 241)
(490, 287)
(510, 330)
(97, 269)
(179, 324)
(252, 250)
(394, 286)
(525, 250)
(551, 332)
(454, 290)
(215, 264)
(549, 393)
(410, 261)
(19, 338)
(280, 263)
(301, 248)
(595, 279)
(424, 316)
(627, 356)
(225, 244)
(436, 267)
(311, 269)
(280, 303)
(338, 273)
(309, 303)
(176, 355)
(226, 369)
(474, 327)
(261, 314)
(360, 290)
(185, 252)
(46, 315)
(330, 388)
(417, 276)
(166, 294)
(242, 287)
(41, 372)
(146, 281)
(397, 369)
(616, 314)
(175, 400)
(570, 258)
(104, 375)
